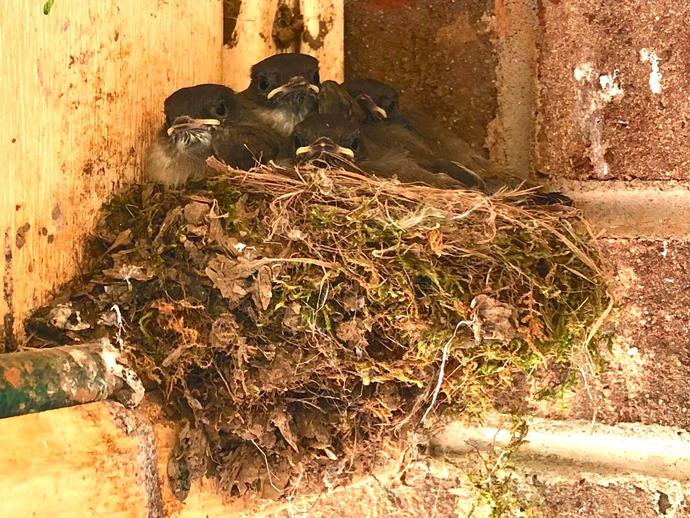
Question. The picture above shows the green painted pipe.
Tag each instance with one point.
(43, 379)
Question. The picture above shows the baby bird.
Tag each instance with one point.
(283, 91)
(183, 144)
(385, 120)
(338, 142)
(205, 120)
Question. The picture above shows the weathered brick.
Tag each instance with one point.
(602, 110)
(649, 368)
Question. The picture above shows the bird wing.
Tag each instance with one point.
(243, 145)
(399, 145)
(387, 162)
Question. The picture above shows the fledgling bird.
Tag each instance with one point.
(283, 90)
(205, 120)
(182, 146)
(339, 142)
(384, 121)
(335, 100)
(386, 137)
(379, 101)
(384, 116)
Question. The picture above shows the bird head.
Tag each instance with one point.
(328, 138)
(192, 113)
(378, 100)
(284, 80)
(335, 100)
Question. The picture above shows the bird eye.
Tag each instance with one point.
(220, 109)
(392, 107)
(355, 145)
(316, 79)
(297, 141)
(263, 84)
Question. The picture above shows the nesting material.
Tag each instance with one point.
(297, 320)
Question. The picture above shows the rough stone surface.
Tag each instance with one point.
(582, 498)
(649, 363)
(438, 53)
(445, 491)
(604, 111)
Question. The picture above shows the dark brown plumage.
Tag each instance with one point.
(339, 142)
(206, 120)
(434, 147)
(283, 90)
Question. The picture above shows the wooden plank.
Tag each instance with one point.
(88, 460)
(324, 35)
(101, 459)
(85, 86)
(252, 41)
(98, 459)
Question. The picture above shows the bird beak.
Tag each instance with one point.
(295, 85)
(324, 147)
(187, 123)
(373, 109)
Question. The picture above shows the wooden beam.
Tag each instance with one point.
(101, 459)
(251, 42)
(86, 84)
(88, 460)
(98, 459)
(324, 35)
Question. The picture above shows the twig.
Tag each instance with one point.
(596, 326)
(268, 467)
(442, 369)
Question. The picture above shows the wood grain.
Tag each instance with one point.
(78, 461)
(84, 86)
(252, 41)
(101, 459)
(324, 35)
(324, 38)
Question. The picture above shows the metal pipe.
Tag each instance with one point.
(43, 379)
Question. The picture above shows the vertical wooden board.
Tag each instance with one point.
(324, 35)
(251, 42)
(84, 87)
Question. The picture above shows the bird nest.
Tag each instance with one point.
(297, 319)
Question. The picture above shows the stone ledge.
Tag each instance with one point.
(633, 448)
(632, 209)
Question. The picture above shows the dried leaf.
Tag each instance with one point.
(122, 239)
(435, 238)
(64, 316)
(261, 290)
(227, 275)
(126, 269)
(195, 212)
(170, 218)
(353, 333)
(283, 422)
(492, 319)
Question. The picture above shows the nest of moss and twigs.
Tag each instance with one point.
(297, 319)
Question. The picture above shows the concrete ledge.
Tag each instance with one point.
(633, 209)
(624, 449)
